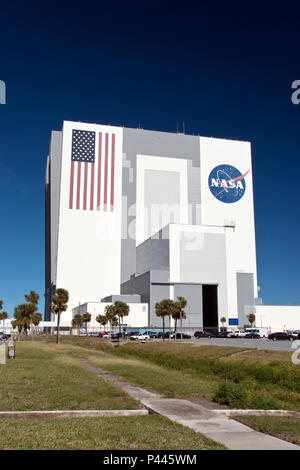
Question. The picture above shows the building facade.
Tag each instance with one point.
(160, 215)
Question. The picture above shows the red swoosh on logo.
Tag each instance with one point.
(238, 178)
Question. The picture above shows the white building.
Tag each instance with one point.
(137, 317)
(131, 211)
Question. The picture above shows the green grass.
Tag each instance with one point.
(171, 383)
(258, 379)
(42, 379)
(125, 433)
(283, 427)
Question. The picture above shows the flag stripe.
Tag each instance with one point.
(106, 172)
(78, 185)
(71, 185)
(92, 186)
(92, 171)
(112, 175)
(99, 171)
(85, 185)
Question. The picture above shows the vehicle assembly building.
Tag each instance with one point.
(154, 214)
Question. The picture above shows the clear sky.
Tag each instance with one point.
(225, 70)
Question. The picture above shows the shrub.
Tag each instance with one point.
(234, 396)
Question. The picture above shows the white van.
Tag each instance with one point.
(261, 331)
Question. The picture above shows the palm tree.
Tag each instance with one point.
(121, 311)
(77, 321)
(251, 318)
(178, 311)
(86, 319)
(110, 314)
(36, 318)
(33, 299)
(163, 309)
(59, 304)
(102, 319)
(22, 314)
(223, 320)
(3, 315)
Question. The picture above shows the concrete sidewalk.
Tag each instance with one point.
(230, 433)
(220, 428)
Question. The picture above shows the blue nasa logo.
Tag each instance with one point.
(227, 183)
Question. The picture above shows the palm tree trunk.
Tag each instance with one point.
(58, 325)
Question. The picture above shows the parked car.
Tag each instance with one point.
(280, 336)
(93, 335)
(203, 334)
(116, 335)
(140, 337)
(252, 335)
(130, 333)
(4, 336)
(162, 334)
(152, 334)
(239, 334)
(294, 334)
(225, 334)
(181, 336)
(103, 333)
(106, 335)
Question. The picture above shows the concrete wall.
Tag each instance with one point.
(139, 144)
(52, 201)
(137, 318)
(245, 296)
(89, 247)
(129, 299)
(153, 253)
(194, 307)
(240, 244)
(198, 255)
(278, 317)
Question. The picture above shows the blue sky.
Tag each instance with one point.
(224, 70)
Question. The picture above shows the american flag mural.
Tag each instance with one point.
(92, 174)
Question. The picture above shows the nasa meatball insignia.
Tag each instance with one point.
(227, 183)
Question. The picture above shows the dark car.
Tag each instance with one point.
(280, 336)
(4, 336)
(117, 335)
(182, 336)
(203, 334)
(225, 334)
(252, 335)
(161, 334)
(152, 334)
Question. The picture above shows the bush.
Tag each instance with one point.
(235, 396)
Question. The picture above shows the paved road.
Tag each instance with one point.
(245, 343)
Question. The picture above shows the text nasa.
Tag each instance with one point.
(226, 184)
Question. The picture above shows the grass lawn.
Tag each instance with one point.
(171, 383)
(257, 379)
(284, 427)
(125, 433)
(42, 379)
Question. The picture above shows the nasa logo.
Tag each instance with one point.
(227, 183)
